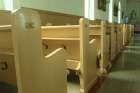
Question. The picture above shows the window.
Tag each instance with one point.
(8, 4)
(89, 9)
(119, 13)
(111, 11)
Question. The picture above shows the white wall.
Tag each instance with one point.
(16, 4)
(6, 4)
(1, 5)
(113, 18)
(75, 7)
(94, 13)
(104, 15)
(99, 14)
(134, 5)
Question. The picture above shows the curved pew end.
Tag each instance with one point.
(88, 58)
(36, 73)
(55, 67)
(99, 31)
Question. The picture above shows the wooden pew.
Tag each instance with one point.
(98, 31)
(121, 42)
(128, 33)
(55, 18)
(124, 34)
(81, 53)
(5, 18)
(132, 30)
(113, 40)
(7, 67)
(116, 39)
(119, 38)
(110, 29)
(22, 62)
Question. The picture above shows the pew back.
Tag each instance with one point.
(7, 66)
(98, 31)
(81, 52)
(54, 18)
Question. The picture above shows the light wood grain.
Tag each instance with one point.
(113, 42)
(7, 75)
(35, 72)
(103, 43)
(5, 27)
(81, 52)
(5, 17)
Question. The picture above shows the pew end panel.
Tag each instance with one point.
(32, 67)
(55, 68)
(109, 36)
(124, 34)
(105, 47)
(95, 33)
(99, 32)
(113, 42)
(116, 39)
(88, 54)
(119, 38)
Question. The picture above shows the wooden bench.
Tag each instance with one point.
(22, 62)
(98, 31)
(119, 38)
(131, 31)
(121, 42)
(7, 67)
(56, 18)
(113, 41)
(117, 32)
(81, 53)
(126, 34)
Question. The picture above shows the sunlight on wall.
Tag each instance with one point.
(89, 9)
(8, 4)
(119, 13)
(110, 11)
(1, 4)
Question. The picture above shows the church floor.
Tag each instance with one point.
(125, 74)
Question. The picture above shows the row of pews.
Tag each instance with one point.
(45, 58)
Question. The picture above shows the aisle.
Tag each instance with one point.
(125, 74)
